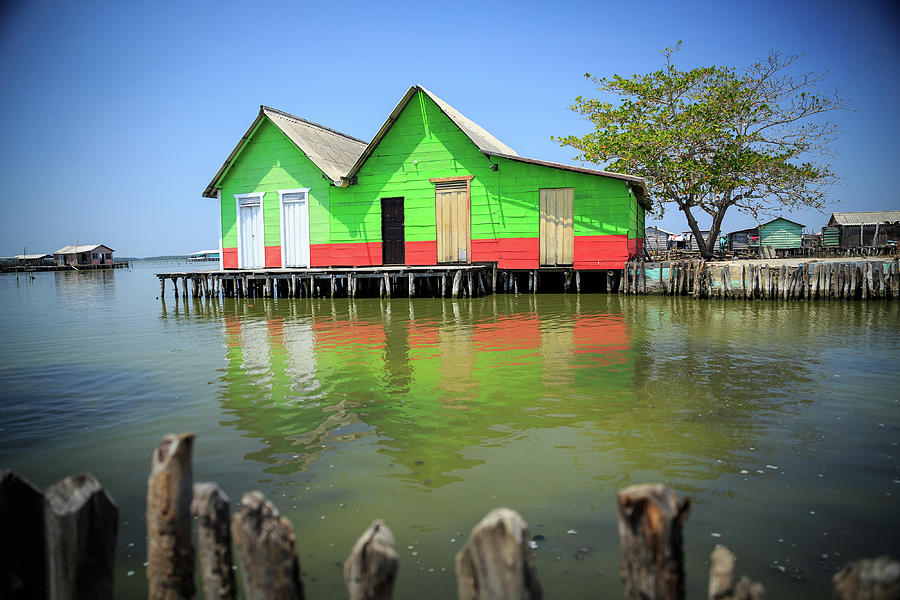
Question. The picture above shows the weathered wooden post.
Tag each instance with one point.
(577, 282)
(82, 522)
(170, 552)
(496, 562)
(371, 568)
(871, 578)
(457, 277)
(387, 285)
(210, 508)
(23, 553)
(651, 518)
(266, 548)
(494, 279)
(721, 573)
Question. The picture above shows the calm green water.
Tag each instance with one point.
(779, 420)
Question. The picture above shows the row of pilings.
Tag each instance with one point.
(859, 280)
(60, 544)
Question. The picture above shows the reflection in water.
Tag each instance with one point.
(551, 403)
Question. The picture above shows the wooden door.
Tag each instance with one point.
(393, 251)
(451, 199)
(251, 232)
(557, 227)
(295, 229)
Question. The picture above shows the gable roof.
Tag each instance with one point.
(81, 248)
(659, 230)
(477, 134)
(781, 219)
(864, 218)
(331, 151)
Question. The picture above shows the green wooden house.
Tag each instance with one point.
(431, 188)
(781, 234)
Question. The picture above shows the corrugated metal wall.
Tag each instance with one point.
(781, 234)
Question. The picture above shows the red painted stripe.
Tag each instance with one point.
(421, 253)
(519, 332)
(273, 256)
(362, 254)
(603, 251)
(229, 258)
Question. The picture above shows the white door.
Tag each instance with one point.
(295, 229)
(251, 226)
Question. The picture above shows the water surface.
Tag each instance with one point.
(778, 419)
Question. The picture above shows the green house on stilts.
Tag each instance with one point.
(431, 188)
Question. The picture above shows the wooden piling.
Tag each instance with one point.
(721, 573)
(577, 282)
(496, 562)
(650, 521)
(443, 284)
(874, 579)
(411, 283)
(266, 549)
(371, 568)
(493, 279)
(170, 552)
(457, 277)
(387, 285)
(210, 507)
(81, 522)
(23, 551)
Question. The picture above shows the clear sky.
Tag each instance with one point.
(116, 115)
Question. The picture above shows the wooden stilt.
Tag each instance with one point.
(444, 284)
(494, 279)
(577, 282)
(371, 568)
(387, 285)
(210, 508)
(412, 285)
(23, 552)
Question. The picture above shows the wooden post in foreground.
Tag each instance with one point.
(721, 573)
(371, 568)
(23, 554)
(874, 578)
(496, 562)
(82, 522)
(170, 553)
(210, 508)
(266, 548)
(651, 517)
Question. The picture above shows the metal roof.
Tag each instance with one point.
(659, 230)
(331, 151)
(864, 218)
(31, 256)
(781, 219)
(479, 136)
(81, 248)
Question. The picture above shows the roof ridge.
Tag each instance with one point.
(263, 107)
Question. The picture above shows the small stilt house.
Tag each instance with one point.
(781, 234)
(868, 228)
(84, 255)
(657, 239)
(431, 188)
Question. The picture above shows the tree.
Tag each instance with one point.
(713, 138)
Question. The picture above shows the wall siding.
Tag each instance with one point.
(781, 234)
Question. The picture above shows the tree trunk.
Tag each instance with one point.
(170, 553)
(371, 568)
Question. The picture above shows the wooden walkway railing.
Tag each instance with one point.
(60, 544)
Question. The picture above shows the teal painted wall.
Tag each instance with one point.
(781, 234)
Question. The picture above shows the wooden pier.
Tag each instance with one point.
(451, 280)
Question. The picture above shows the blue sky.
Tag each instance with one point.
(115, 115)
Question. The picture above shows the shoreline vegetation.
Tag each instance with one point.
(61, 543)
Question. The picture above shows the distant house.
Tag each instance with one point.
(84, 255)
(33, 260)
(781, 234)
(743, 238)
(858, 229)
(204, 255)
(656, 239)
(690, 243)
